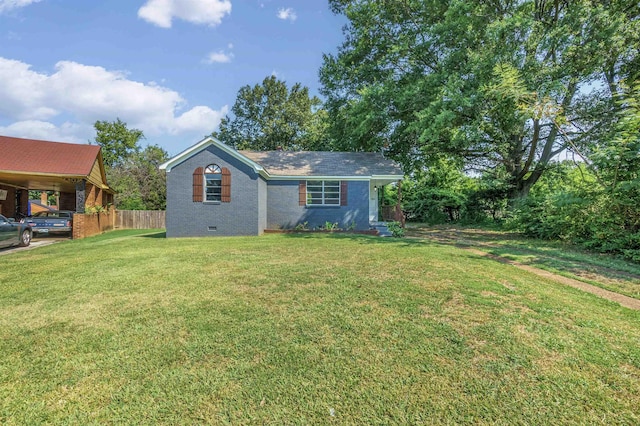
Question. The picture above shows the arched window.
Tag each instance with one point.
(213, 183)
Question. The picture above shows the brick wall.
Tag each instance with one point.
(8, 206)
(67, 201)
(284, 211)
(241, 216)
(86, 225)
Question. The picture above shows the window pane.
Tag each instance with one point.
(323, 192)
(213, 183)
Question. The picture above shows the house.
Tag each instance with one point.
(75, 171)
(212, 189)
(40, 205)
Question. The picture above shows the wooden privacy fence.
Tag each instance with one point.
(140, 219)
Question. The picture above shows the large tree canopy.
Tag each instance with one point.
(116, 140)
(269, 115)
(131, 171)
(502, 84)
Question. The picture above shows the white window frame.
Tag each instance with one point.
(324, 186)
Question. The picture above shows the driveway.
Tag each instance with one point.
(35, 243)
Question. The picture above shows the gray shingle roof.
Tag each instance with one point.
(321, 163)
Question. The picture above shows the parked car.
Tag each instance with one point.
(14, 233)
(51, 222)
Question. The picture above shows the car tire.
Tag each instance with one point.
(25, 238)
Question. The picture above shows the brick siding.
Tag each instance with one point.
(240, 216)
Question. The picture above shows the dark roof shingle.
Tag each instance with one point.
(321, 163)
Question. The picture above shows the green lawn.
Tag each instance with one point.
(133, 328)
(606, 271)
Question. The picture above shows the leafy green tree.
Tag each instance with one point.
(131, 171)
(270, 115)
(617, 164)
(117, 141)
(499, 84)
(138, 182)
(152, 180)
(437, 194)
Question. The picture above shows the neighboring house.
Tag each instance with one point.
(41, 205)
(75, 171)
(212, 189)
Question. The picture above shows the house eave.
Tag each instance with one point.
(336, 177)
(387, 177)
(204, 144)
(208, 141)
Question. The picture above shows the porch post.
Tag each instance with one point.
(399, 217)
(80, 195)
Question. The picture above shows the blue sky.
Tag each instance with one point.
(171, 68)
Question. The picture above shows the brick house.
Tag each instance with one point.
(75, 171)
(213, 189)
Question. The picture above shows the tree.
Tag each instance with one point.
(138, 182)
(270, 115)
(116, 141)
(500, 84)
(152, 181)
(133, 173)
(437, 194)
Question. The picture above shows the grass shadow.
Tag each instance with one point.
(360, 238)
(162, 234)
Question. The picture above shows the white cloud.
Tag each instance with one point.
(162, 12)
(199, 118)
(219, 57)
(21, 92)
(89, 93)
(287, 14)
(7, 5)
(35, 129)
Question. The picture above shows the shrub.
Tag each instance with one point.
(396, 229)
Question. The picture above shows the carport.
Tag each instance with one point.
(76, 171)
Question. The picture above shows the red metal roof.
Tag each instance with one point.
(34, 156)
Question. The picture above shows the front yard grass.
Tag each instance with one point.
(602, 270)
(132, 328)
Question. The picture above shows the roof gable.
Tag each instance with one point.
(201, 146)
(300, 164)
